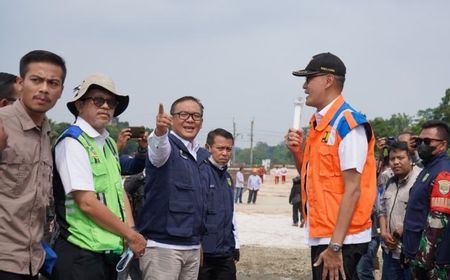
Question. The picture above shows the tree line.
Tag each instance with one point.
(279, 154)
(383, 127)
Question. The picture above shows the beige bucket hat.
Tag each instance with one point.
(104, 82)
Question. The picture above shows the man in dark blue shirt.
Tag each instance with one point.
(220, 244)
(426, 233)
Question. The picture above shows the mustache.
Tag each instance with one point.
(42, 97)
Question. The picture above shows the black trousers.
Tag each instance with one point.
(221, 268)
(351, 254)
(4, 275)
(296, 210)
(74, 263)
(252, 196)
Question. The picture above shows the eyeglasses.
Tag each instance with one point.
(186, 115)
(99, 101)
(427, 141)
(309, 78)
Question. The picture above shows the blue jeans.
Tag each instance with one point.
(364, 269)
(238, 195)
(392, 269)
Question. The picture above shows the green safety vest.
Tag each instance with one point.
(105, 166)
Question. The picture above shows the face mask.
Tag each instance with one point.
(425, 152)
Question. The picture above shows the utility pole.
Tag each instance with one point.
(251, 144)
(234, 137)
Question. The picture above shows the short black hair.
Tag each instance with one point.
(399, 146)
(7, 82)
(218, 132)
(42, 56)
(186, 98)
(442, 127)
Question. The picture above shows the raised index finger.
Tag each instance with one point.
(161, 109)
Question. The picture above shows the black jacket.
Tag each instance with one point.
(296, 194)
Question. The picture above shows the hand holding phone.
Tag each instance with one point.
(137, 131)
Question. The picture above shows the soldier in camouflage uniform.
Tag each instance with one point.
(426, 238)
(423, 265)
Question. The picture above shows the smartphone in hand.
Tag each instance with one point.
(137, 131)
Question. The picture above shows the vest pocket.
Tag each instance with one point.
(99, 170)
(180, 221)
(329, 161)
(210, 239)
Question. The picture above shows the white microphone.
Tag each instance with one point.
(299, 102)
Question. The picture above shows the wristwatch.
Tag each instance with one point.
(335, 247)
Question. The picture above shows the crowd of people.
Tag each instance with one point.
(185, 228)
(180, 222)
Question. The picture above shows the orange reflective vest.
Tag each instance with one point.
(322, 174)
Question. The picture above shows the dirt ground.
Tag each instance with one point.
(268, 263)
(271, 248)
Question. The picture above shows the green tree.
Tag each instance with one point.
(442, 112)
(393, 126)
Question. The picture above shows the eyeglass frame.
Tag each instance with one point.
(102, 100)
(427, 140)
(195, 116)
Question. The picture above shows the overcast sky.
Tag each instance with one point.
(237, 56)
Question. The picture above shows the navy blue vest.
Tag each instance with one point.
(174, 198)
(418, 208)
(219, 238)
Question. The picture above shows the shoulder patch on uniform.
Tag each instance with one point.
(229, 181)
(444, 186)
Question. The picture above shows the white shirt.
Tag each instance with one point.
(352, 154)
(277, 172)
(72, 161)
(159, 148)
(158, 152)
(239, 180)
(254, 182)
(283, 171)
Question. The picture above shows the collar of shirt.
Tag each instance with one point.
(404, 180)
(221, 167)
(191, 146)
(26, 121)
(89, 130)
(322, 113)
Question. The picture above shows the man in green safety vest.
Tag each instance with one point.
(93, 214)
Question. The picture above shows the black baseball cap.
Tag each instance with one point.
(326, 63)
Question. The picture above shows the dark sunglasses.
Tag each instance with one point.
(99, 101)
(309, 78)
(427, 141)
